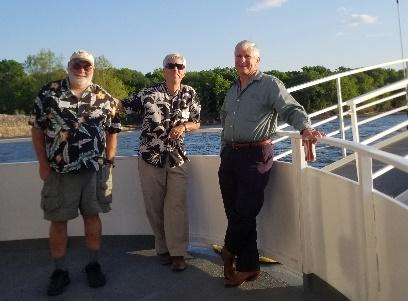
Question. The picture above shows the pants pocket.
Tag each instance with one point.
(265, 159)
(104, 188)
(50, 194)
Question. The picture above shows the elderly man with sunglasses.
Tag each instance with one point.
(74, 129)
(170, 110)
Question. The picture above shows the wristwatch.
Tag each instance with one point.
(110, 162)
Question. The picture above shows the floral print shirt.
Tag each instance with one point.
(74, 128)
(162, 112)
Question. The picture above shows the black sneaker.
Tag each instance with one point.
(94, 274)
(59, 280)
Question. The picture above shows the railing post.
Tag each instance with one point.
(354, 122)
(300, 186)
(406, 87)
(340, 113)
(370, 272)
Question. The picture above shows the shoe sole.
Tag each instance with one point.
(178, 269)
(51, 294)
(249, 279)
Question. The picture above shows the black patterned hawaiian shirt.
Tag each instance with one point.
(75, 128)
(162, 112)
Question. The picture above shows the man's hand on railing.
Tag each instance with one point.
(311, 134)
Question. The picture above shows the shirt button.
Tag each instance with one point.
(234, 113)
(238, 99)
(230, 126)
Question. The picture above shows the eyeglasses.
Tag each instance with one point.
(79, 66)
(173, 66)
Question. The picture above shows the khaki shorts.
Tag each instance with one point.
(89, 191)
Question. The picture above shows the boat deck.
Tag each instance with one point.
(133, 273)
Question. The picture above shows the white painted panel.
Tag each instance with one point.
(21, 216)
(336, 230)
(278, 222)
(392, 245)
(20, 213)
(206, 210)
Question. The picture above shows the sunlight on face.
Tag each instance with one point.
(175, 74)
(246, 61)
(80, 74)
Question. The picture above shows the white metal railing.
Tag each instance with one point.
(364, 150)
(352, 104)
(371, 258)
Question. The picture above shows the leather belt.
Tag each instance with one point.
(237, 146)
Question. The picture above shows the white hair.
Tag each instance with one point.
(248, 44)
(170, 56)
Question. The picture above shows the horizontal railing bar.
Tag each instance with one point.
(378, 145)
(380, 101)
(389, 88)
(327, 120)
(379, 155)
(375, 117)
(317, 113)
(279, 139)
(342, 74)
(385, 133)
(383, 170)
(284, 154)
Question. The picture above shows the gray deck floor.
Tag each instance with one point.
(25, 267)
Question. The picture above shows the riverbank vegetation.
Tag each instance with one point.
(21, 81)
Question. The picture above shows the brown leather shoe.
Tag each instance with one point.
(178, 263)
(241, 277)
(228, 259)
(164, 258)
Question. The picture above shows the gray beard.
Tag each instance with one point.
(79, 82)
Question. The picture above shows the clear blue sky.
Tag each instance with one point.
(138, 34)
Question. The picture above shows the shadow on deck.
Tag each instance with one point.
(25, 267)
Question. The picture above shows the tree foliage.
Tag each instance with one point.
(20, 82)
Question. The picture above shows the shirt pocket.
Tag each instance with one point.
(253, 107)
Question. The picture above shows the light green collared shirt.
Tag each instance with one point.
(251, 115)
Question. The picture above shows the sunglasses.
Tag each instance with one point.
(173, 66)
(79, 66)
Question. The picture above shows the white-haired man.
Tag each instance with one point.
(170, 110)
(74, 129)
(248, 117)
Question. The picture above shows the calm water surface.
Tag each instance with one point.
(209, 143)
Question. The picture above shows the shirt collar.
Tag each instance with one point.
(258, 76)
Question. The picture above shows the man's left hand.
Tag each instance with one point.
(176, 132)
(312, 134)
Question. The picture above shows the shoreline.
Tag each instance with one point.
(16, 126)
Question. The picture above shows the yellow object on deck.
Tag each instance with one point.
(263, 259)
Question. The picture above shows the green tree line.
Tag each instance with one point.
(20, 82)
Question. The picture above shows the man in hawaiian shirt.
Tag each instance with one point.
(74, 133)
(170, 110)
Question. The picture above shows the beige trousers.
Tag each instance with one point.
(165, 196)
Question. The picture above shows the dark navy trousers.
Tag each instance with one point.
(243, 175)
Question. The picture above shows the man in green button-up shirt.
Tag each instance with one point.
(249, 118)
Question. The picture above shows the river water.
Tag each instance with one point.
(208, 143)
